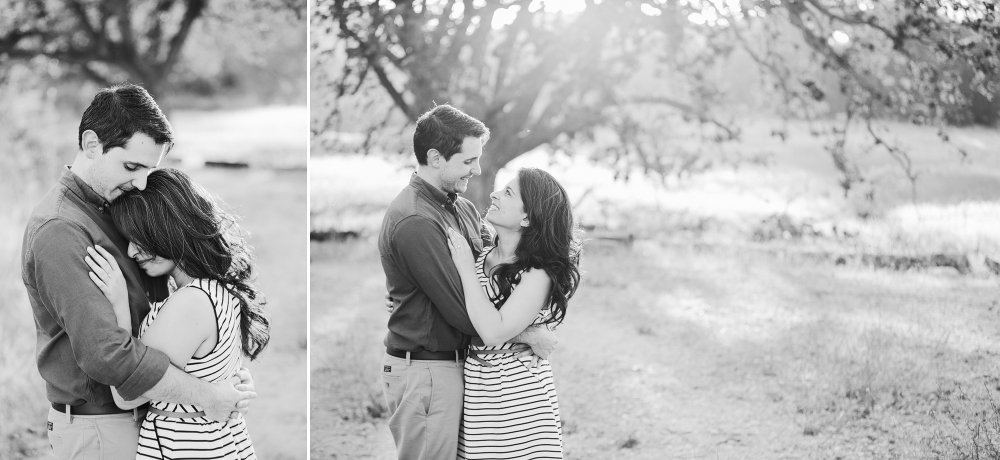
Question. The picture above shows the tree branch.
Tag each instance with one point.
(81, 15)
(900, 156)
(370, 55)
(155, 33)
(396, 96)
(687, 109)
(127, 43)
(8, 43)
(821, 46)
(94, 75)
(193, 11)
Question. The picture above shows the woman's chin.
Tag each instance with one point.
(153, 273)
(489, 218)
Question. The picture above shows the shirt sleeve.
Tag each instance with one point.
(106, 352)
(420, 248)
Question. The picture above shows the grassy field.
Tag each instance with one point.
(697, 341)
(699, 351)
(270, 197)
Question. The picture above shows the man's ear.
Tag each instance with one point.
(92, 146)
(434, 158)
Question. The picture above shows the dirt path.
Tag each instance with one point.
(653, 370)
(676, 351)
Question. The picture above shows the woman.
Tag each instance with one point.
(206, 326)
(510, 409)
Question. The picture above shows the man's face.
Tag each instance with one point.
(125, 168)
(456, 172)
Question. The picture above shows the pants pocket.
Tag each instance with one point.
(392, 385)
(78, 441)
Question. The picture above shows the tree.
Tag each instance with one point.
(110, 40)
(537, 77)
(898, 58)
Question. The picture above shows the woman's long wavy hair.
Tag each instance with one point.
(176, 219)
(549, 242)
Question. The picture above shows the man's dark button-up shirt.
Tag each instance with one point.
(419, 272)
(81, 350)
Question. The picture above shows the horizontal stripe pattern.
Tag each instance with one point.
(165, 437)
(510, 411)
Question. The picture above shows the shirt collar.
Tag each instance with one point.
(432, 192)
(75, 184)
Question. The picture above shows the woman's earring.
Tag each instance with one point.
(524, 222)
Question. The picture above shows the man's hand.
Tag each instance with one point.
(230, 399)
(541, 340)
(246, 380)
(245, 384)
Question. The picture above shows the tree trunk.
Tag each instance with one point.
(480, 187)
(502, 148)
(155, 87)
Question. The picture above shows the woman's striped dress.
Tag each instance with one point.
(199, 438)
(509, 409)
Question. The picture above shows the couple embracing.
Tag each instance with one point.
(131, 369)
(465, 374)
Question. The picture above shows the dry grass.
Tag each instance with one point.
(347, 326)
(968, 429)
(702, 351)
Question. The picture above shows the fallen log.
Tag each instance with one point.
(326, 235)
(959, 262)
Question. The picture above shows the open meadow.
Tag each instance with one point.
(728, 315)
(269, 196)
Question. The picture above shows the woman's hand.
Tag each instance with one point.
(109, 278)
(461, 253)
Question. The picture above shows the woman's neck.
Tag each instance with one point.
(506, 244)
(180, 278)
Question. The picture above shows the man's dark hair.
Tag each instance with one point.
(444, 128)
(118, 112)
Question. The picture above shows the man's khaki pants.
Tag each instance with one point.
(98, 437)
(425, 406)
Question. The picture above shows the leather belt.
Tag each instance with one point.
(92, 409)
(429, 355)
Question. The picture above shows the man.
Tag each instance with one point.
(123, 135)
(429, 328)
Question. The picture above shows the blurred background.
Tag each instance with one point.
(791, 213)
(231, 78)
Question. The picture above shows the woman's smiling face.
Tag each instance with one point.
(153, 265)
(506, 207)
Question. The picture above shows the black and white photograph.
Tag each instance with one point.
(153, 298)
(685, 229)
(500, 229)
